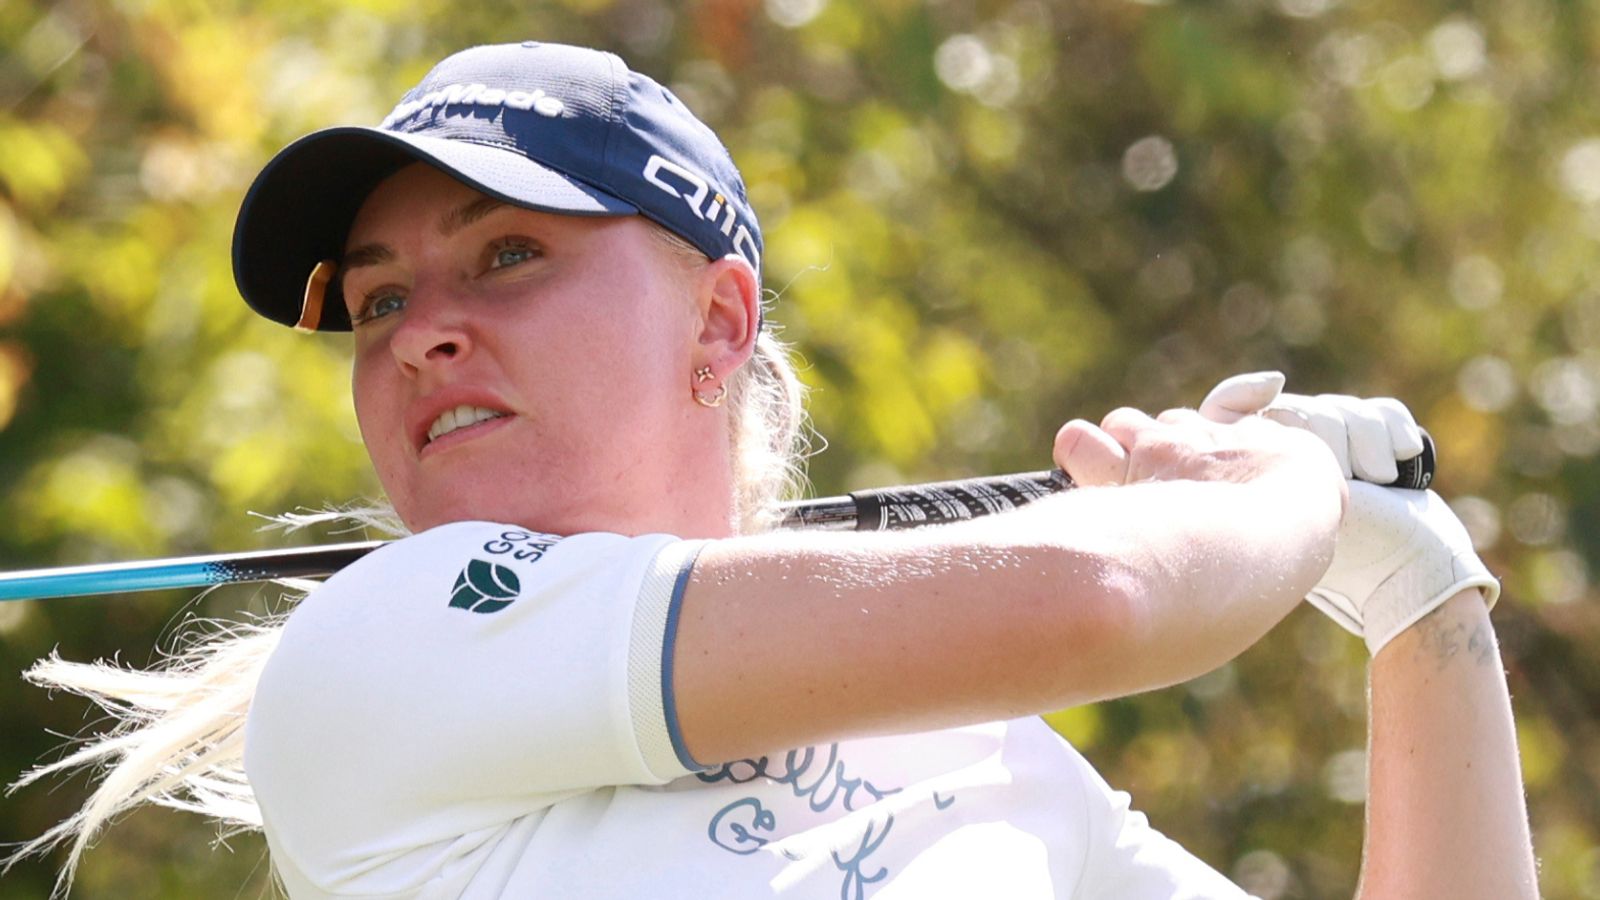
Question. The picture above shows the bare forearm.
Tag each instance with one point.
(1096, 594)
(1213, 568)
(1445, 809)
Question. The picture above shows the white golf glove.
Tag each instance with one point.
(1367, 436)
(1400, 553)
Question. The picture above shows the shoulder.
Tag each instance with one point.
(455, 680)
(481, 610)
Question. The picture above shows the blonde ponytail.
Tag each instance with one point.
(178, 740)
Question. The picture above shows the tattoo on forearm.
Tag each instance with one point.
(1443, 639)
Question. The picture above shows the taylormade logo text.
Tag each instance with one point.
(478, 94)
(706, 202)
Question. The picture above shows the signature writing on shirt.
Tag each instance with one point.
(855, 880)
(823, 783)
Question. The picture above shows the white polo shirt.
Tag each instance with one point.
(480, 712)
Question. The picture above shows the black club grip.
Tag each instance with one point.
(915, 505)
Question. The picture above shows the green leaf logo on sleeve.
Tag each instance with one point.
(484, 587)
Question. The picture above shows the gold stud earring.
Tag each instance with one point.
(703, 374)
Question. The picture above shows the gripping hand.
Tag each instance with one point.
(1367, 436)
(1399, 555)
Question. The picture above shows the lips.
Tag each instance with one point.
(460, 417)
(453, 414)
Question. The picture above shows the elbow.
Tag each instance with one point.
(1143, 642)
(1100, 624)
(1132, 632)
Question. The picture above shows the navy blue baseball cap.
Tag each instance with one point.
(544, 126)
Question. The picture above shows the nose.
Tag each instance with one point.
(432, 333)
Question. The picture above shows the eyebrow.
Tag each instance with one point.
(366, 255)
(449, 223)
(462, 216)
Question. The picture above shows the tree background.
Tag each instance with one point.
(983, 218)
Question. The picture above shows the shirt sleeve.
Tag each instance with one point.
(1130, 860)
(463, 677)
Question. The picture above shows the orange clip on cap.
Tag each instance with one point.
(316, 293)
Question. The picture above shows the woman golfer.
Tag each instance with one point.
(588, 674)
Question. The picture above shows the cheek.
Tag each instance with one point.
(657, 329)
(375, 405)
(623, 342)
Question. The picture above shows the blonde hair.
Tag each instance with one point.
(178, 737)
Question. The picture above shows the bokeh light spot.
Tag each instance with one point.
(794, 13)
(1481, 519)
(1305, 9)
(1407, 83)
(1487, 383)
(1476, 282)
(1565, 388)
(1150, 163)
(1264, 874)
(1344, 776)
(963, 62)
(1458, 49)
(13, 614)
(1580, 171)
(1536, 518)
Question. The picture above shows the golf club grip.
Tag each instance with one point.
(913, 506)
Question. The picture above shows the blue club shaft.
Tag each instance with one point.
(888, 508)
(183, 572)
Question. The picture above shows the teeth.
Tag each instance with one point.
(460, 417)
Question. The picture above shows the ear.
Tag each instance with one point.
(729, 303)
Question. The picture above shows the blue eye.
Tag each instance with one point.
(378, 304)
(512, 255)
(509, 253)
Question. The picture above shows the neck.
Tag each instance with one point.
(695, 491)
(681, 485)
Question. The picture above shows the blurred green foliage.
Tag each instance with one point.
(983, 218)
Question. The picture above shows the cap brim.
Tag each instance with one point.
(300, 208)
